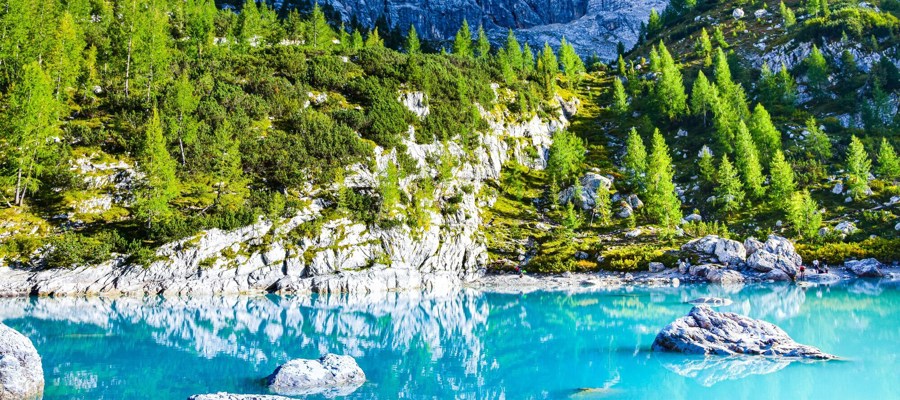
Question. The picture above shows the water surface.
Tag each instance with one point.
(469, 345)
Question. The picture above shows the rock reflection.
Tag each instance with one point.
(709, 371)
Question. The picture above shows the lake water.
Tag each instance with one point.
(468, 345)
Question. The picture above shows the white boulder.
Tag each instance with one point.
(21, 372)
(331, 375)
(868, 268)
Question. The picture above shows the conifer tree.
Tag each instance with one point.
(719, 37)
(356, 41)
(181, 104)
(765, 136)
(621, 65)
(548, 69)
(783, 185)
(571, 63)
(413, 46)
(66, 58)
(803, 215)
(703, 96)
(566, 156)
(858, 168)
(729, 192)
(812, 7)
(620, 99)
(527, 61)
(635, 161)
(767, 87)
(31, 120)
(374, 40)
(226, 168)
(747, 160)
(514, 51)
(888, 163)
(663, 205)
(729, 91)
(704, 47)
(249, 23)
(706, 166)
(817, 142)
(320, 35)
(670, 94)
(655, 24)
(160, 185)
(787, 88)
(462, 44)
(817, 70)
(484, 45)
(787, 15)
(602, 206)
(725, 120)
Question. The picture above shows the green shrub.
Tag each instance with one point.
(885, 250)
(72, 249)
(637, 257)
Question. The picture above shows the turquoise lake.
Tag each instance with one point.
(466, 345)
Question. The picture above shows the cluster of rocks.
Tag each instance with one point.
(729, 261)
(704, 331)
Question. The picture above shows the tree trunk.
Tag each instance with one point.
(181, 146)
(18, 186)
(128, 64)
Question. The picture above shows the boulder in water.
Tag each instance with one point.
(21, 372)
(229, 396)
(704, 331)
(868, 268)
(331, 375)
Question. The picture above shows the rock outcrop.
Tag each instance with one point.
(704, 331)
(868, 268)
(21, 372)
(777, 253)
(716, 249)
(591, 26)
(331, 375)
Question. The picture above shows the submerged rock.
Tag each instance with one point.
(710, 301)
(868, 268)
(229, 396)
(331, 375)
(704, 331)
(21, 372)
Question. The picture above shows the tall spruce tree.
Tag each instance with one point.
(888, 163)
(817, 71)
(704, 48)
(413, 46)
(320, 33)
(803, 215)
(635, 162)
(747, 160)
(765, 136)
(669, 92)
(858, 168)
(782, 185)
(729, 192)
(462, 44)
(620, 99)
(663, 205)
(817, 142)
(484, 45)
(160, 184)
(703, 96)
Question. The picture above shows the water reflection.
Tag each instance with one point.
(464, 345)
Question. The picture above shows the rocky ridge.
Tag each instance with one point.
(312, 252)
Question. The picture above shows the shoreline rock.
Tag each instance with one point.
(21, 371)
(707, 332)
(329, 375)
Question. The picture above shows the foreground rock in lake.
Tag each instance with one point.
(704, 331)
(21, 372)
(229, 396)
(330, 375)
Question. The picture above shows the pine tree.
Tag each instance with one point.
(803, 215)
(767, 87)
(729, 192)
(413, 46)
(787, 15)
(160, 185)
(462, 45)
(704, 48)
(817, 142)
(181, 104)
(747, 160)
(725, 120)
(66, 59)
(783, 184)
(226, 168)
(825, 8)
(858, 168)
(571, 63)
(719, 37)
(765, 136)
(817, 70)
(888, 163)
(706, 166)
(620, 99)
(703, 96)
(602, 206)
(527, 61)
(663, 205)
(31, 120)
(812, 7)
(787, 88)
(249, 23)
(356, 41)
(389, 189)
(655, 24)
(374, 40)
(670, 94)
(635, 161)
(621, 65)
(484, 45)
(548, 69)
(320, 33)
(729, 91)
(514, 51)
(566, 156)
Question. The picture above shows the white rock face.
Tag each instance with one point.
(724, 250)
(331, 375)
(590, 185)
(777, 253)
(591, 26)
(704, 331)
(868, 268)
(21, 372)
(846, 227)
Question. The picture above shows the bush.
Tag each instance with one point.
(637, 257)
(885, 250)
(73, 249)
